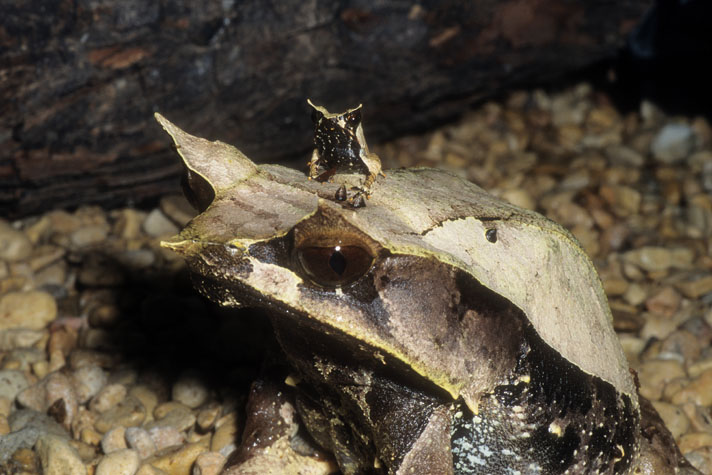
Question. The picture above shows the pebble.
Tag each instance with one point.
(698, 391)
(51, 389)
(31, 310)
(89, 235)
(128, 413)
(148, 398)
(675, 418)
(209, 463)
(108, 397)
(88, 380)
(14, 244)
(12, 382)
(140, 440)
(157, 224)
(225, 434)
(165, 436)
(179, 461)
(190, 390)
(673, 143)
(664, 302)
(694, 441)
(696, 288)
(655, 374)
(58, 457)
(113, 440)
(121, 462)
(178, 209)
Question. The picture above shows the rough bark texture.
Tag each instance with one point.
(81, 79)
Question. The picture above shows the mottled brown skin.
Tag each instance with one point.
(407, 362)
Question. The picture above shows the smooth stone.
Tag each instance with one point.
(664, 302)
(207, 417)
(157, 224)
(674, 418)
(624, 200)
(104, 316)
(520, 197)
(209, 463)
(62, 339)
(148, 469)
(14, 244)
(699, 417)
(190, 390)
(6, 405)
(121, 462)
(655, 374)
(108, 397)
(635, 294)
(12, 382)
(701, 459)
(88, 380)
(46, 394)
(31, 310)
(137, 258)
(23, 358)
(698, 391)
(26, 426)
(650, 258)
(694, 441)
(225, 435)
(58, 457)
(696, 288)
(148, 398)
(140, 440)
(179, 461)
(113, 440)
(173, 414)
(128, 413)
(89, 235)
(128, 223)
(4, 425)
(673, 143)
(165, 436)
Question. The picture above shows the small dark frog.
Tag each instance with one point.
(340, 146)
(436, 330)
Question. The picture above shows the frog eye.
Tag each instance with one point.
(334, 266)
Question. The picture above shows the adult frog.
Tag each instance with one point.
(436, 330)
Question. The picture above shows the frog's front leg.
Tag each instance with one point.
(314, 165)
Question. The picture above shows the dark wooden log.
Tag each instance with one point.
(81, 80)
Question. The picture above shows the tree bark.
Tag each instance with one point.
(81, 80)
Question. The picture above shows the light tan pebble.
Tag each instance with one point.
(683, 343)
(694, 441)
(31, 310)
(653, 376)
(16, 283)
(622, 155)
(701, 459)
(89, 235)
(88, 380)
(615, 286)
(225, 435)
(164, 408)
(148, 469)
(63, 339)
(12, 382)
(157, 224)
(56, 361)
(45, 255)
(700, 418)
(635, 294)
(113, 440)
(54, 275)
(58, 457)
(166, 436)
(632, 272)
(128, 413)
(179, 461)
(180, 419)
(90, 436)
(178, 209)
(665, 302)
(128, 223)
(121, 462)
(696, 288)
(140, 440)
(698, 391)
(520, 198)
(137, 258)
(22, 358)
(209, 463)
(624, 201)
(19, 338)
(148, 398)
(698, 367)
(104, 316)
(674, 418)
(632, 347)
(658, 326)
(38, 230)
(673, 143)
(125, 376)
(673, 387)
(207, 417)
(5, 405)
(108, 397)
(196, 436)
(651, 258)
(190, 390)
(4, 425)
(14, 244)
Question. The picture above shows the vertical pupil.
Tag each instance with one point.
(337, 262)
